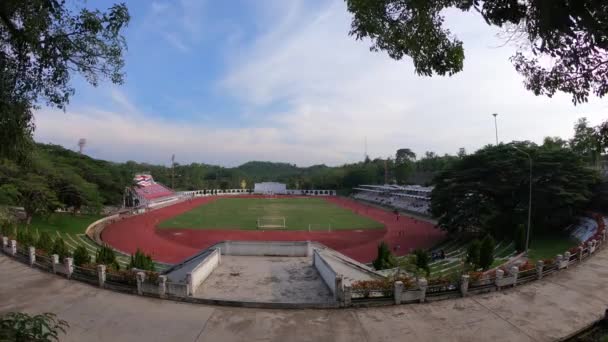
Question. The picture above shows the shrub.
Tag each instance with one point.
(106, 256)
(141, 261)
(81, 256)
(16, 326)
(60, 249)
(25, 237)
(385, 258)
(422, 260)
(473, 252)
(486, 252)
(44, 242)
(520, 238)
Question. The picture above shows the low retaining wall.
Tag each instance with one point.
(265, 248)
(200, 273)
(328, 274)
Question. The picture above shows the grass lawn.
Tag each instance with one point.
(64, 222)
(548, 246)
(242, 213)
(71, 229)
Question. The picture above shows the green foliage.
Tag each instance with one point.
(44, 242)
(81, 256)
(520, 238)
(488, 191)
(16, 326)
(45, 43)
(25, 237)
(141, 261)
(106, 256)
(486, 252)
(60, 248)
(385, 258)
(422, 260)
(473, 252)
(570, 33)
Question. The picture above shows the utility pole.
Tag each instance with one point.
(385, 171)
(496, 127)
(173, 171)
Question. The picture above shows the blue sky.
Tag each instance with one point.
(226, 82)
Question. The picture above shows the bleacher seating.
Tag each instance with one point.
(409, 198)
(153, 191)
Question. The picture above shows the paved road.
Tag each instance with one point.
(540, 311)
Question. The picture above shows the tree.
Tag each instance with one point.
(404, 155)
(385, 258)
(473, 252)
(486, 252)
(44, 42)
(44, 242)
(570, 34)
(35, 196)
(141, 261)
(16, 326)
(488, 191)
(422, 260)
(60, 248)
(586, 141)
(81, 256)
(106, 256)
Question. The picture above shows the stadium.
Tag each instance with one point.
(173, 226)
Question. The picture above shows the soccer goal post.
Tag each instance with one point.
(324, 227)
(271, 222)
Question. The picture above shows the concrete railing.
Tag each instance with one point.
(200, 272)
(332, 279)
(335, 281)
(265, 248)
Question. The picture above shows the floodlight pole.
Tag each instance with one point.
(496, 127)
(529, 199)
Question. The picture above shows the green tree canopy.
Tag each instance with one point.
(44, 43)
(573, 34)
(488, 191)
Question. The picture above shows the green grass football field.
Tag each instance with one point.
(242, 213)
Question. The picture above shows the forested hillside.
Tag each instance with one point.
(56, 177)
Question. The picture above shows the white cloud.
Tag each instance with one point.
(333, 92)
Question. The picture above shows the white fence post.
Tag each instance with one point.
(69, 266)
(13, 247)
(348, 295)
(101, 275)
(567, 256)
(162, 286)
(499, 275)
(423, 284)
(398, 292)
(4, 242)
(558, 261)
(514, 272)
(55, 262)
(141, 276)
(539, 269)
(32, 254)
(464, 284)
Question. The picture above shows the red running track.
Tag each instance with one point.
(174, 245)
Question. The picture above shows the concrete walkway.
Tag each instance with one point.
(541, 311)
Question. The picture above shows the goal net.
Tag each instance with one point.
(271, 222)
(324, 227)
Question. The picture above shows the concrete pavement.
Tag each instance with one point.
(541, 311)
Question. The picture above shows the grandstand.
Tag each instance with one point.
(146, 193)
(412, 198)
